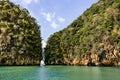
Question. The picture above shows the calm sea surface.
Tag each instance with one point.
(59, 73)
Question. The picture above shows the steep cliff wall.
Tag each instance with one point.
(92, 39)
(20, 41)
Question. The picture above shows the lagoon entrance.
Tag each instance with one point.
(42, 63)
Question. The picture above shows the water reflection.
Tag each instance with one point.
(42, 73)
(78, 73)
(59, 73)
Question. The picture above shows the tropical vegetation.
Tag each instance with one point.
(92, 39)
(20, 40)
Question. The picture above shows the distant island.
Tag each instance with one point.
(93, 39)
(20, 40)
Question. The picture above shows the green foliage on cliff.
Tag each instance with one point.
(97, 30)
(20, 41)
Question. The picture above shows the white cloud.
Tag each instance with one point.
(36, 1)
(54, 25)
(25, 2)
(43, 44)
(53, 20)
(48, 16)
(61, 20)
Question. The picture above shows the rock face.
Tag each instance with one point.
(20, 41)
(92, 39)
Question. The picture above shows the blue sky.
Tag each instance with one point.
(54, 15)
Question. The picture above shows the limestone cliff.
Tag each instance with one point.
(20, 41)
(92, 39)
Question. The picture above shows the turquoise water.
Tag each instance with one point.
(59, 73)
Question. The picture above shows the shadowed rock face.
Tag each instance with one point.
(92, 39)
(20, 41)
